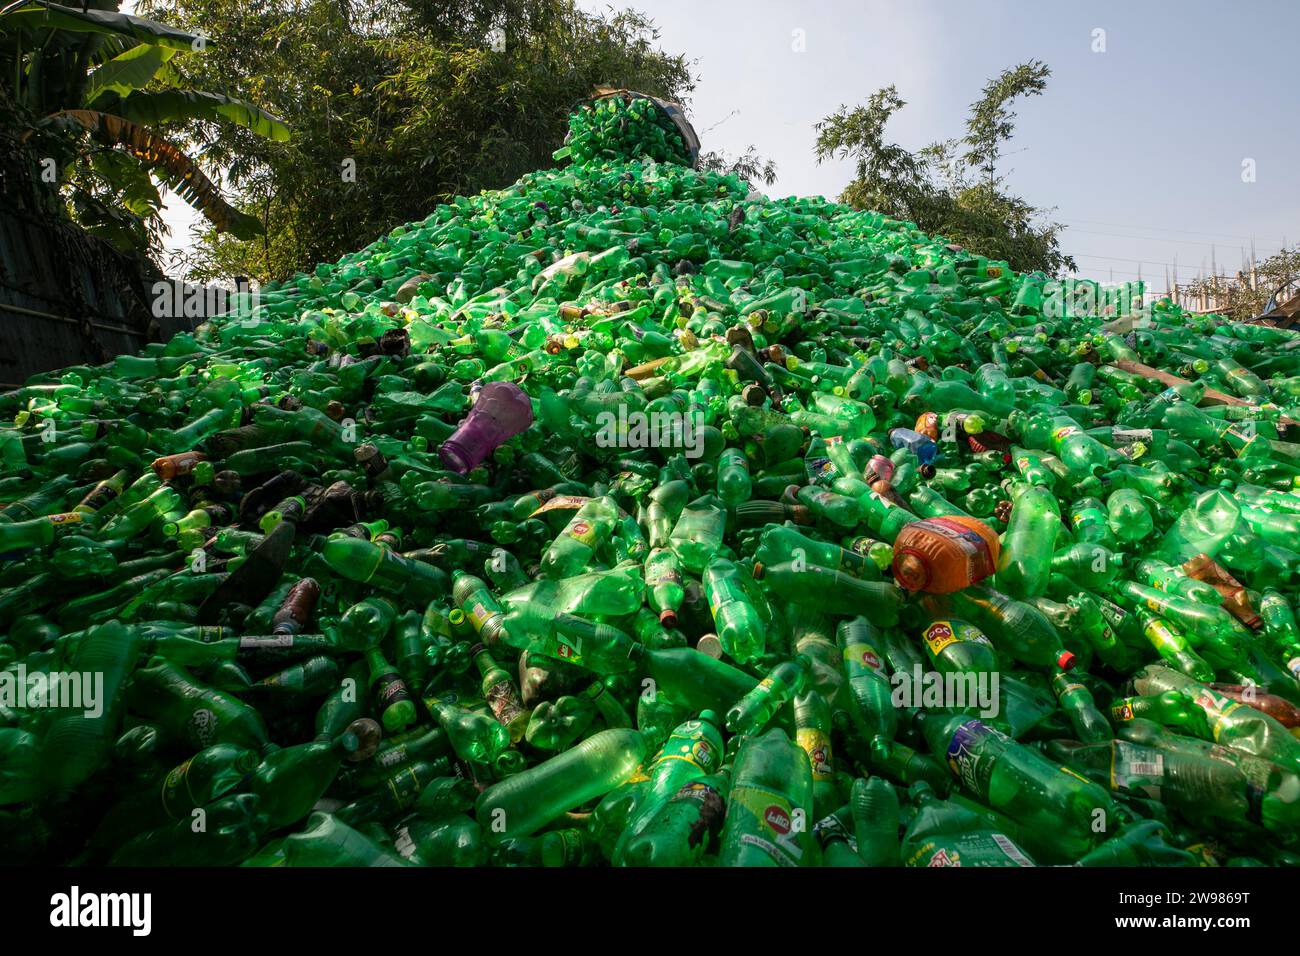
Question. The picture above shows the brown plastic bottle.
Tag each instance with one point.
(944, 554)
(1279, 708)
(296, 609)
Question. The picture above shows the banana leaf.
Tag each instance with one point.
(41, 14)
(178, 171)
(172, 106)
(126, 72)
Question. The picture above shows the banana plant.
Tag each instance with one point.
(100, 89)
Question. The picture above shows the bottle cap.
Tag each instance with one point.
(710, 646)
(1066, 660)
(910, 571)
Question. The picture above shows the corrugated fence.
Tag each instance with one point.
(66, 298)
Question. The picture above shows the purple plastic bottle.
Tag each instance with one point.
(501, 411)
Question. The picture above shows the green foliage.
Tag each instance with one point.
(43, 16)
(749, 165)
(951, 188)
(1278, 271)
(889, 178)
(396, 105)
(92, 90)
(990, 122)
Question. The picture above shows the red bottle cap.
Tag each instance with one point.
(1065, 661)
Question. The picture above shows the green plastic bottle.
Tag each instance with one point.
(1017, 781)
(523, 803)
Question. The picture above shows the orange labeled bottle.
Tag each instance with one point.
(927, 423)
(945, 554)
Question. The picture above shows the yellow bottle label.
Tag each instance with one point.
(1160, 636)
(583, 532)
(478, 616)
(864, 655)
(561, 503)
(817, 745)
(938, 636)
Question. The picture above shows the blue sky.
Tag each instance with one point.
(1139, 148)
(1146, 139)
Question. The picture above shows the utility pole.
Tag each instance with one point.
(1214, 277)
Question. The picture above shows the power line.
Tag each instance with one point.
(1140, 262)
(1184, 232)
(1122, 272)
(1119, 235)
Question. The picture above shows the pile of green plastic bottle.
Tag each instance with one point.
(614, 519)
(620, 127)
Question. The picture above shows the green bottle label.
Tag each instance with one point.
(831, 828)
(968, 755)
(404, 787)
(970, 850)
(670, 576)
(263, 642)
(390, 689)
(688, 742)
(1218, 709)
(1114, 614)
(201, 728)
(865, 655)
(174, 784)
(765, 819)
(562, 647)
(393, 757)
(1136, 768)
